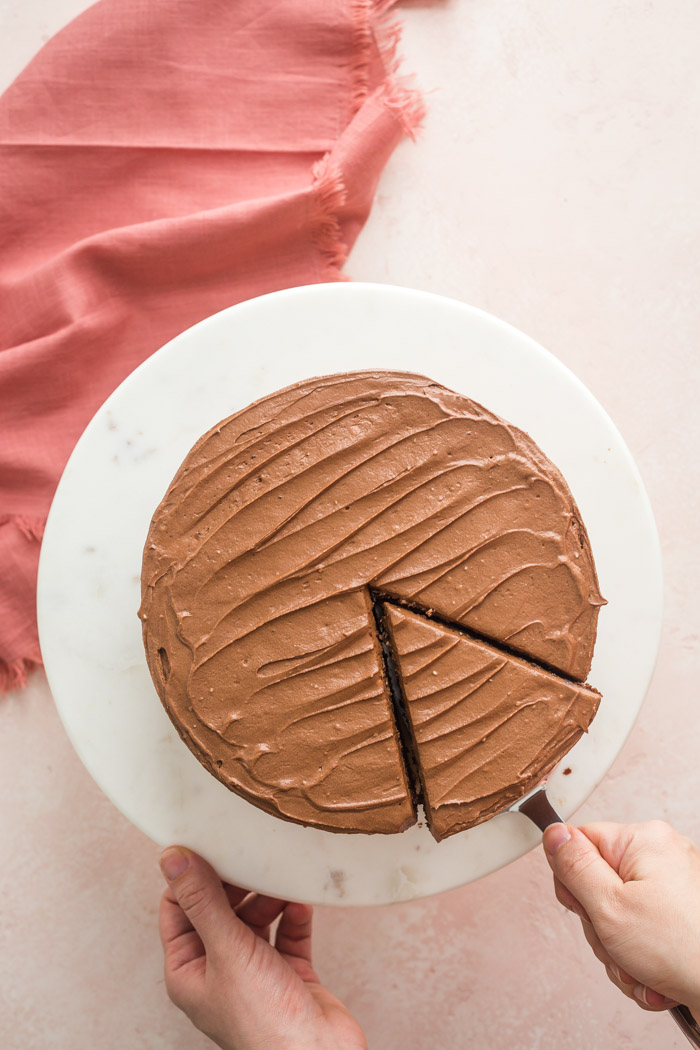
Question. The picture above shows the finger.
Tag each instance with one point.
(568, 900)
(608, 838)
(644, 997)
(258, 912)
(294, 931)
(172, 920)
(633, 850)
(625, 979)
(604, 956)
(177, 918)
(596, 945)
(578, 865)
(181, 943)
(648, 999)
(235, 894)
(198, 891)
(613, 842)
(175, 929)
(182, 950)
(626, 989)
(186, 949)
(614, 977)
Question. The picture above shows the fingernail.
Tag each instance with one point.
(640, 992)
(554, 838)
(173, 862)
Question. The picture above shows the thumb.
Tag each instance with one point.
(577, 864)
(199, 892)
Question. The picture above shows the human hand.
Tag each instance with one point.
(636, 889)
(222, 971)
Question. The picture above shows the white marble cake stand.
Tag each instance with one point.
(91, 561)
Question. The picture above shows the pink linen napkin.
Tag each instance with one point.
(160, 161)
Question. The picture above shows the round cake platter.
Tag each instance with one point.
(89, 575)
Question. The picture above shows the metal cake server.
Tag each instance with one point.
(535, 805)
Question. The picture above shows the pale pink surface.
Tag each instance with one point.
(555, 184)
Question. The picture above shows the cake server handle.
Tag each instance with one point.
(537, 807)
(687, 1024)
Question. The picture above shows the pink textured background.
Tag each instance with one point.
(555, 184)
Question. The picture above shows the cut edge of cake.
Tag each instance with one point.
(504, 795)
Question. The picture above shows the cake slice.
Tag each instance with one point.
(485, 725)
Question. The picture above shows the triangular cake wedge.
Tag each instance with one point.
(485, 725)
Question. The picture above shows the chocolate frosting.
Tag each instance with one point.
(255, 607)
(486, 725)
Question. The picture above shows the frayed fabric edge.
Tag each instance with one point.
(14, 675)
(13, 672)
(31, 528)
(373, 24)
(328, 195)
(399, 94)
(363, 13)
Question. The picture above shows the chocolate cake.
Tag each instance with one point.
(283, 528)
(485, 725)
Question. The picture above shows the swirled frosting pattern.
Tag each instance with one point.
(255, 606)
(486, 725)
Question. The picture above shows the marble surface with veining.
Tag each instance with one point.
(554, 184)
